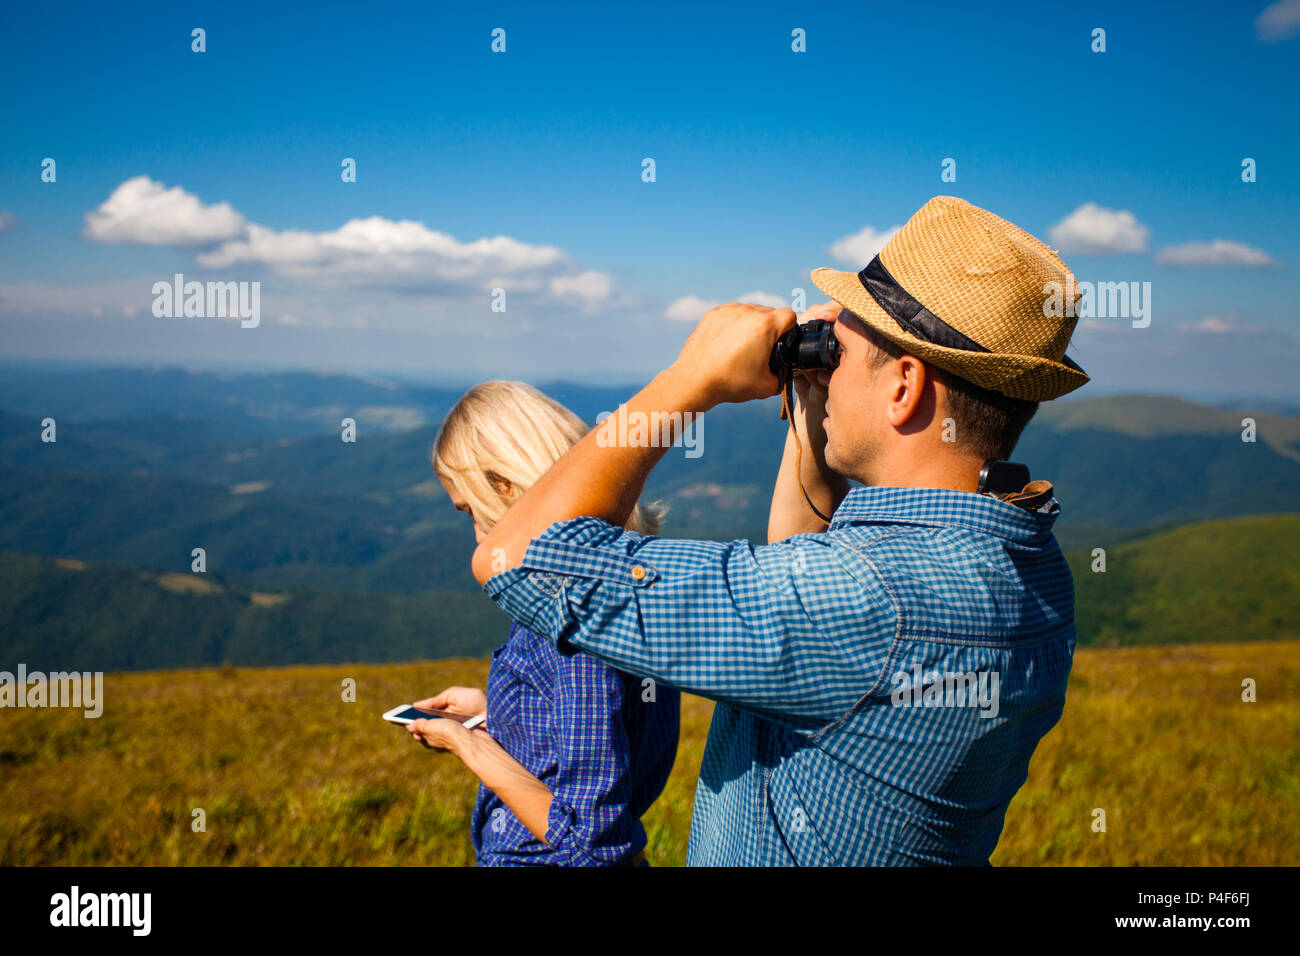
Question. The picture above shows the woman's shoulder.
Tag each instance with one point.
(540, 652)
(523, 639)
(537, 656)
(526, 649)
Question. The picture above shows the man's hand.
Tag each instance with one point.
(810, 389)
(803, 463)
(727, 353)
(469, 701)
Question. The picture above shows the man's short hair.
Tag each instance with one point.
(988, 423)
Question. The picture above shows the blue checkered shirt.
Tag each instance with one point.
(602, 741)
(880, 686)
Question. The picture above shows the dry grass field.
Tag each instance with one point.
(1158, 737)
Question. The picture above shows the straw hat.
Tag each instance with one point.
(967, 291)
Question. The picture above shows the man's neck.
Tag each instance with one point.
(954, 472)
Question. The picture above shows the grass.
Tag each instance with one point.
(1157, 737)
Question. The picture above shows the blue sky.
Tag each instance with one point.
(768, 163)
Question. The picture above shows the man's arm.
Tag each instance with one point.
(806, 465)
(798, 630)
(724, 360)
(790, 514)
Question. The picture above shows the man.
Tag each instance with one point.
(881, 682)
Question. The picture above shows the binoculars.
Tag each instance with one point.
(810, 346)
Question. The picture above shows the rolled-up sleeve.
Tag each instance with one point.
(801, 628)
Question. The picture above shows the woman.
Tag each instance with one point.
(573, 752)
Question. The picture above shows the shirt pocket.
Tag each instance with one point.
(803, 828)
(506, 693)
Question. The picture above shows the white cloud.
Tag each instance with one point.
(1094, 230)
(691, 308)
(147, 212)
(764, 298)
(1221, 325)
(1278, 21)
(1216, 252)
(591, 287)
(382, 251)
(861, 247)
(368, 253)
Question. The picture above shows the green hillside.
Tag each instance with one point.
(1150, 416)
(1230, 580)
(57, 614)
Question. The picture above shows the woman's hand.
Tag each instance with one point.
(440, 733)
(469, 701)
(527, 797)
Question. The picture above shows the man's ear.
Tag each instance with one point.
(906, 388)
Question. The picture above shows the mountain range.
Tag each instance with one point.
(149, 464)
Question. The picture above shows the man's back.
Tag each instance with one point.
(922, 767)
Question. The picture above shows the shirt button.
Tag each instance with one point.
(638, 572)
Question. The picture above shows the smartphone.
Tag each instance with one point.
(406, 714)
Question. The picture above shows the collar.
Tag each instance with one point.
(1028, 522)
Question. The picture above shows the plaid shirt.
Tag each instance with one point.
(600, 741)
(851, 727)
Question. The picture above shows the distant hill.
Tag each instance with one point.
(245, 405)
(1228, 580)
(269, 540)
(314, 511)
(1156, 416)
(1128, 465)
(151, 463)
(1123, 466)
(60, 614)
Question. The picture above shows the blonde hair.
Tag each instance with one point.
(505, 435)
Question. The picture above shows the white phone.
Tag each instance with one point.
(406, 714)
